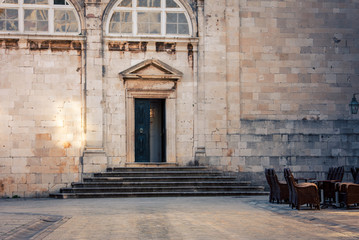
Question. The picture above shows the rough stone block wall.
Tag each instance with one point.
(299, 59)
(298, 68)
(266, 84)
(308, 148)
(40, 116)
(219, 85)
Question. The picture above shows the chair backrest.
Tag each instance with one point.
(337, 174)
(275, 177)
(356, 180)
(286, 174)
(267, 172)
(330, 173)
(293, 182)
(290, 182)
(355, 174)
(340, 174)
(275, 182)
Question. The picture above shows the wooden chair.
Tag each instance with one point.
(301, 193)
(291, 195)
(278, 189)
(269, 181)
(349, 192)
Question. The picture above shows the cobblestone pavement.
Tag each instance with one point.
(171, 218)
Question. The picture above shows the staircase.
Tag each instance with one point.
(159, 182)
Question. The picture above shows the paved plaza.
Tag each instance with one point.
(171, 218)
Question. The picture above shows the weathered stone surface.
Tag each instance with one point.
(263, 84)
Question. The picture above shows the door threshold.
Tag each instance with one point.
(151, 164)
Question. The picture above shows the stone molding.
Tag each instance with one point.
(145, 80)
(142, 71)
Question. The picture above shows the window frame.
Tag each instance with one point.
(7, 19)
(50, 7)
(163, 10)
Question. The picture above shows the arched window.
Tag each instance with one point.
(38, 16)
(149, 17)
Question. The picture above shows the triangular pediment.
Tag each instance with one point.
(151, 69)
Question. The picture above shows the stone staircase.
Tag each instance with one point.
(159, 182)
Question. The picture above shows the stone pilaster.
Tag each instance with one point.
(200, 151)
(232, 64)
(94, 156)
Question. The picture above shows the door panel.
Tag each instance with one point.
(155, 131)
(142, 130)
(150, 132)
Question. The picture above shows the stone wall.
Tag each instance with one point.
(296, 72)
(41, 115)
(299, 59)
(299, 69)
(218, 90)
(308, 148)
(265, 84)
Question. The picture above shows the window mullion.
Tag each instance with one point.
(163, 18)
(163, 22)
(51, 20)
(134, 17)
(21, 17)
(51, 17)
(134, 22)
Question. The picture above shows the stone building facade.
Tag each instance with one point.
(238, 85)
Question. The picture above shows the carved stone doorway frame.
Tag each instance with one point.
(151, 79)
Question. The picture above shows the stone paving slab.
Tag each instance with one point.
(9, 222)
(171, 218)
(28, 226)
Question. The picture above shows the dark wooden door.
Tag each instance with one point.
(142, 130)
(150, 130)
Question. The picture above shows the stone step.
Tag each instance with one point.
(160, 179)
(155, 169)
(160, 184)
(157, 173)
(164, 181)
(156, 194)
(161, 189)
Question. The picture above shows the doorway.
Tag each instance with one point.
(150, 130)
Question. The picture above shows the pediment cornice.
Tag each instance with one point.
(151, 69)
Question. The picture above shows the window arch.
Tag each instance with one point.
(39, 16)
(149, 18)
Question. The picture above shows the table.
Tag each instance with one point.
(305, 179)
(328, 194)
